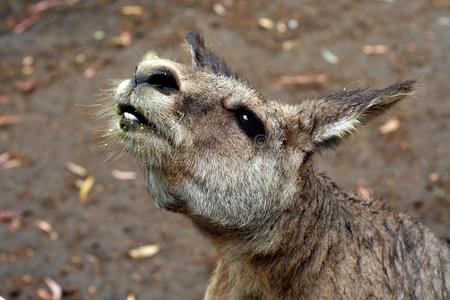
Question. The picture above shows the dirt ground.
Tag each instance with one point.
(57, 58)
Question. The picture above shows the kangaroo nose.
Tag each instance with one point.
(161, 79)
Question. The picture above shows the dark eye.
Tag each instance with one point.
(250, 123)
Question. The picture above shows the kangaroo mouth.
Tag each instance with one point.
(133, 119)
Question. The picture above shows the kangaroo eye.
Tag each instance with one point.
(244, 118)
(250, 123)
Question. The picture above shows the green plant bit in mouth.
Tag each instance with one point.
(132, 119)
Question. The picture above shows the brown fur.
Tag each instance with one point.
(281, 230)
(336, 246)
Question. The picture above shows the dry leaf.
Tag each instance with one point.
(131, 297)
(44, 5)
(363, 191)
(290, 44)
(28, 60)
(55, 288)
(15, 224)
(122, 175)
(123, 40)
(80, 58)
(266, 23)
(281, 27)
(444, 21)
(390, 126)
(27, 70)
(89, 72)
(132, 10)
(47, 228)
(219, 9)
(314, 79)
(99, 35)
(26, 86)
(10, 160)
(7, 216)
(433, 177)
(375, 49)
(92, 290)
(43, 294)
(4, 98)
(150, 55)
(76, 169)
(12, 163)
(26, 23)
(329, 56)
(9, 120)
(85, 188)
(144, 251)
(44, 226)
(4, 157)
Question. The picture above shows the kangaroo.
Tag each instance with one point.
(240, 166)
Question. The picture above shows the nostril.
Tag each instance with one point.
(162, 80)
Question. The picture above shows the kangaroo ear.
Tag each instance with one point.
(202, 57)
(329, 120)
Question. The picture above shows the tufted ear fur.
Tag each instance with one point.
(202, 57)
(330, 119)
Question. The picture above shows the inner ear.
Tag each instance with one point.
(330, 119)
(202, 57)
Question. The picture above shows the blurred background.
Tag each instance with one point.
(77, 225)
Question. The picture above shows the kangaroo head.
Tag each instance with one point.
(215, 149)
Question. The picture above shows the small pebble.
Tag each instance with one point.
(293, 24)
